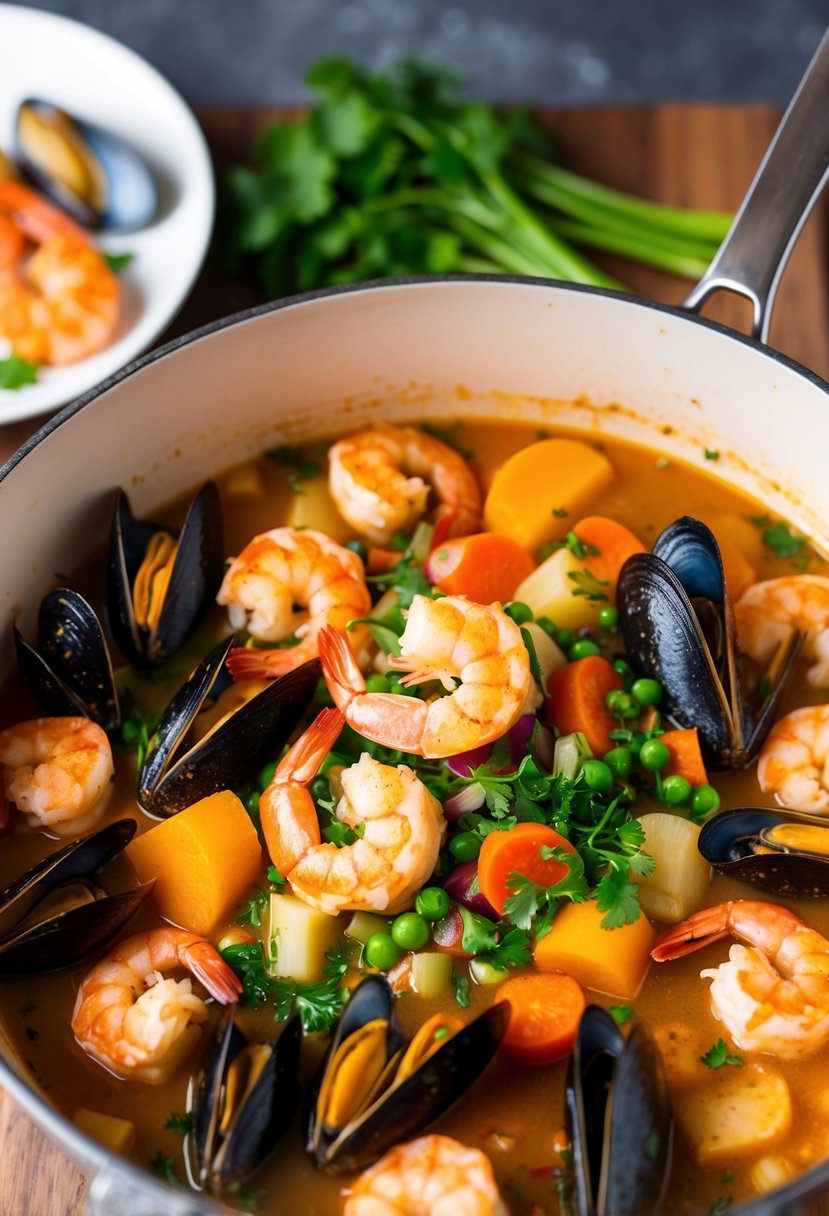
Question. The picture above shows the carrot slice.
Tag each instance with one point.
(485, 567)
(686, 758)
(615, 543)
(518, 851)
(544, 1017)
(575, 700)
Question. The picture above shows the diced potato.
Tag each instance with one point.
(550, 656)
(682, 1049)
(313, 507)
(551, 475)
(297, 937)
(550, 591)
(431, 973)
(364, 925)
(680, 878)
(245, 482)
(607, 960)
(203, 859)
(769, 1173)
(118, 1135)
(738, 1111)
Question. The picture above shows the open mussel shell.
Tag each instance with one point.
(394, 1110)
(69, 669)
(55, 914)
(784, 853)
(159, 586)
(86, 170)
(245, 1098)
(618, 1118)
(179, 771)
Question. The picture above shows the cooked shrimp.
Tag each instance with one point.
(794, 760)
(57, 771)
(62, 304)
(432, 1176)
(450, 640)
(368, 480)
(402, 828)
(280, 569)
(137, 1024)
(766, 613)
(773, 993)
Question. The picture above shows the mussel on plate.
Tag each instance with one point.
(86, 170)
(618, 1119)
(160, 585)
(243, 1099)
(678, 627)
(183, 765)
(374, 1090)
(57, 913)
(69, 668)
(783, 852)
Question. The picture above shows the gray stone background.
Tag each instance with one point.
(548, 51)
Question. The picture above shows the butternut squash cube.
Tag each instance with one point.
(115, 1134)
(608, 960)
(738, 1111)
(203, 859)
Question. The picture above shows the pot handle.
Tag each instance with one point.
(794, 170)
(115, 1189)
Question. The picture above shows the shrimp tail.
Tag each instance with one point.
(342, 675)
(253, 663)
(204, 962)
(302, 762)
(700, 930)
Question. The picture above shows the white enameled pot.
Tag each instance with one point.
(443, 348)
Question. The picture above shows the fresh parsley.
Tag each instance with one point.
(718, 1054)
(588, 585)
(461, 985)
(118, 261)
(513, 950)
(164, 1168)
(578, 548)
(136, 732)
(318, 1004)
(721, 1204)
(183, 1124)
(620, 1013)
(711, 454)
(533, 906)
(16, 373)
(778, 536)
(298, 466)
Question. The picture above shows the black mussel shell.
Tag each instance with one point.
(770, 849)
(619, 1119)
(74, 927)
(220, 1158)
(405, 1109)
(70, 670)
(175, 774)
(194, 580)
(85, 169)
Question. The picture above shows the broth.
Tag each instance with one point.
(515, 1110)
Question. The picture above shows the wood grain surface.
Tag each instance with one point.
(701, 156)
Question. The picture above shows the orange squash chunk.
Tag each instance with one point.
(607, 960)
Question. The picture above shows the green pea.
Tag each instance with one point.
(598, 775)
(432, 902)
(704, 800)
(611, 700)
(620, 761)
(547, 625)
(627, 706)
(411, 930)
(252, 803)
(320, 789)
(265, 775)
(676, 790)
(647, 692)
(382, 951)
(638, 739)
(583, 649)
(465, 847)
(608, 616)
(623, 668)
(400, 540)
(654, 755)
(564, 637)
(519, 612)
(357, 546)
(378, 683)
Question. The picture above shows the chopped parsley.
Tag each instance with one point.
(778, 536)
(461, 985)
(16, 373)
(253, 911)
(578, 548)
(164, 1168)
(183, 1124)
(276, 878)
(588, 585)
(118, 261)
(318, 1004)
(721, 1204)
(513, 950)
(620, 1013)
(711, 454)
(560, 512)
(532, 905)
(136, 732)
(718, 1054)
(298, 466)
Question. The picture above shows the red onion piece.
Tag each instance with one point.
(463, 764)
(470, 798)
(519, 737)
(447, 934)
(459, 886)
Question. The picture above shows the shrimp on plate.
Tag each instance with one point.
(767, 612)
(474, 650)
(794, 760)
(138, 1024)
(60, 304)
(772, 994)
(57, 771)
(431, 1176)
(278, 570)
(380, 480)
(402, 828)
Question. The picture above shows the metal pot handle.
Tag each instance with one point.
(794, 170)
(116, 1190)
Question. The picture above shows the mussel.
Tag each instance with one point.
(57, 913)
(69, 669)
(618, 1117)
(181, 768)
(374, 1090)
(784, 853)
(158, 586)
(244, 1098)
(678, 627)
(88, 171)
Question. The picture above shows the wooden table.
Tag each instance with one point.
(702, 156)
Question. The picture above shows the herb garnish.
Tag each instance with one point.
(16, 373)
(711, 454)
(778, 536)
(118, 261)
(718, 1054)
(136, 732)
(532, 905)
(620, 1013)
(461, 985)
(164, 1168)
(318, 1004)
(587, 584)
(299, 467)
(183, 1124)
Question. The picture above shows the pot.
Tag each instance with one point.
(479, 346)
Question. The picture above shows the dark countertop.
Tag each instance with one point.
(553, 52)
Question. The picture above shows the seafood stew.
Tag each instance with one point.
(491, 790)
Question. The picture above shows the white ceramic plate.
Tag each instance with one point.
(51, 57)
